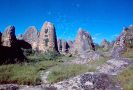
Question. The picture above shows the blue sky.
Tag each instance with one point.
(102, 18)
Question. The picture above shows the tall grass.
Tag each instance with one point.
(62, 72)
(25, 73)
(126, 78)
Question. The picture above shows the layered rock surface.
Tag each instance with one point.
(8, 37)
(47, 38)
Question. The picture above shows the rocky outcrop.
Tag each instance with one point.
(19, 37)
(31, 36)
(59, 45)
(124, 39)
(62, 45)
(8, 37)
(105, 44)
(83, 42)
(47, 38)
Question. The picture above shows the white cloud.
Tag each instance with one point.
(114, 35)
(98, 34)
(94, 38)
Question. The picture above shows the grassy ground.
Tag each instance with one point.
(24, 74)
(126, 76)
(27, 73)
(62, 72)
(96, 63)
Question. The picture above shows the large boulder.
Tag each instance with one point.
(31, 36)
(8, 37)
(47, 38)
(83, 42)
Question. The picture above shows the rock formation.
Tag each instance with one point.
(8, 37)
(31, 36)
(62, 45)
(59, 45)
(71, 45)
(124, 39)
(19, 37)
(83, 42)
(47, 38)
(105, 43)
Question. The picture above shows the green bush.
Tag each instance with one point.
(46, 42)
(46, 30)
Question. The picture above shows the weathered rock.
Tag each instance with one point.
(91, 56)
(71, 46)
(31, 36)
(105, 43)
(47, 38)
(114, 65)
(83, 41)
(62, 45)
(59, 45)
(19, 37)
(120, 40)
(8, 37)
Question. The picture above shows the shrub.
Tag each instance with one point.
(46, 30)
(46, 42)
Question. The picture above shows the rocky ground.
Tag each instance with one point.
(102, 80)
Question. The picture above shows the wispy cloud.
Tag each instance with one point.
(98, 34)
(94, 38)
(114, 35)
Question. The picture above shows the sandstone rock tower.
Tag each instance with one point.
(31, 36)
(83, 41)
(8, 37)
(47, 38)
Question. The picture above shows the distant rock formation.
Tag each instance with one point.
(105, 43)
(71, 46)
(83, 42)
(19, 37)
(8, 37)
(47, 38)
(62, 45)
(59, 45)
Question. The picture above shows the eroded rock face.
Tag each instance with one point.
(47, 38)
(31, 36)
(83, 41)
(8, 37)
